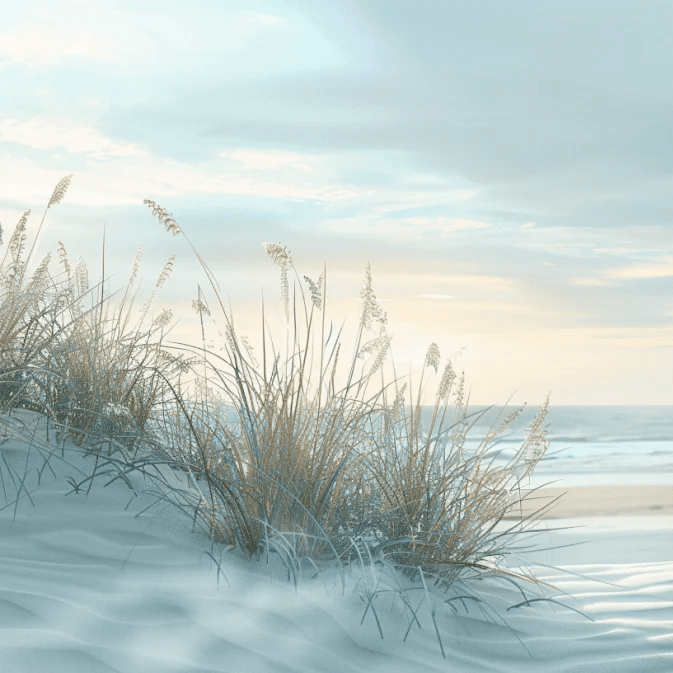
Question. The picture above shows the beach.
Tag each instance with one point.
(336, 337)
(92, 583)
(609, 501)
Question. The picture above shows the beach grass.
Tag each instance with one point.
(308, 455)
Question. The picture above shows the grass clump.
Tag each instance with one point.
(319, 467)
(73, 352)
(27, 317)
(103, 375)
(307, 454)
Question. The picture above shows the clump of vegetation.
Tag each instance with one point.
(69, 352)
(307, 454)
(29, 307)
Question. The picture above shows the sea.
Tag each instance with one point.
(588, 445)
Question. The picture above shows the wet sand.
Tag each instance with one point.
(583, 501)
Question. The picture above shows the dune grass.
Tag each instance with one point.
(307, 455)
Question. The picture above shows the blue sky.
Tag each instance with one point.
(505, 166)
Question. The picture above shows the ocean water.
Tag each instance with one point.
(591, 445)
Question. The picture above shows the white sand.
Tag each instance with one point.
(86, 587)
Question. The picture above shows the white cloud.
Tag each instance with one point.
(446, 224)
(42, 134)
(591, 281)
(406, 229)
(129, 180)
(39, 46)
(663, 269)
(458, 224)
(626, 252)
(397, 284)
(258, 160)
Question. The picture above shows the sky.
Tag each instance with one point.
(505, 166)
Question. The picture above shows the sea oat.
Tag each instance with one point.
(59, 191)
(399, 399)
(82, 277)
(461, 391)
(199, 307)
(370, 308)
(12, 274)
(432, 357)
(164, 318)
(392, 413)
(445, 382)
(163, 277)
(164, 217)
(38, 282)
(510, 418)
(63, 256)
(375, 345)
(383, 347)
(536, 443)
(369, 347)
(316, 294)
(281, 256)
(17, 242)
(136, 266)
(166, 272)
(231, 336)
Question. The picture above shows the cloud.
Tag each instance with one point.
(617, 251)
(445, 224)
(58, 134)
(400, 230)
(554, 113)
(591, 281)
(458, 224)
(664, 269)
(125, 180)
(270, 160)
(39, 46)
(421, 277)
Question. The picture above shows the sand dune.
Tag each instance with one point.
(86, 586)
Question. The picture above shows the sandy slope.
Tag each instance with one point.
(87, 587)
